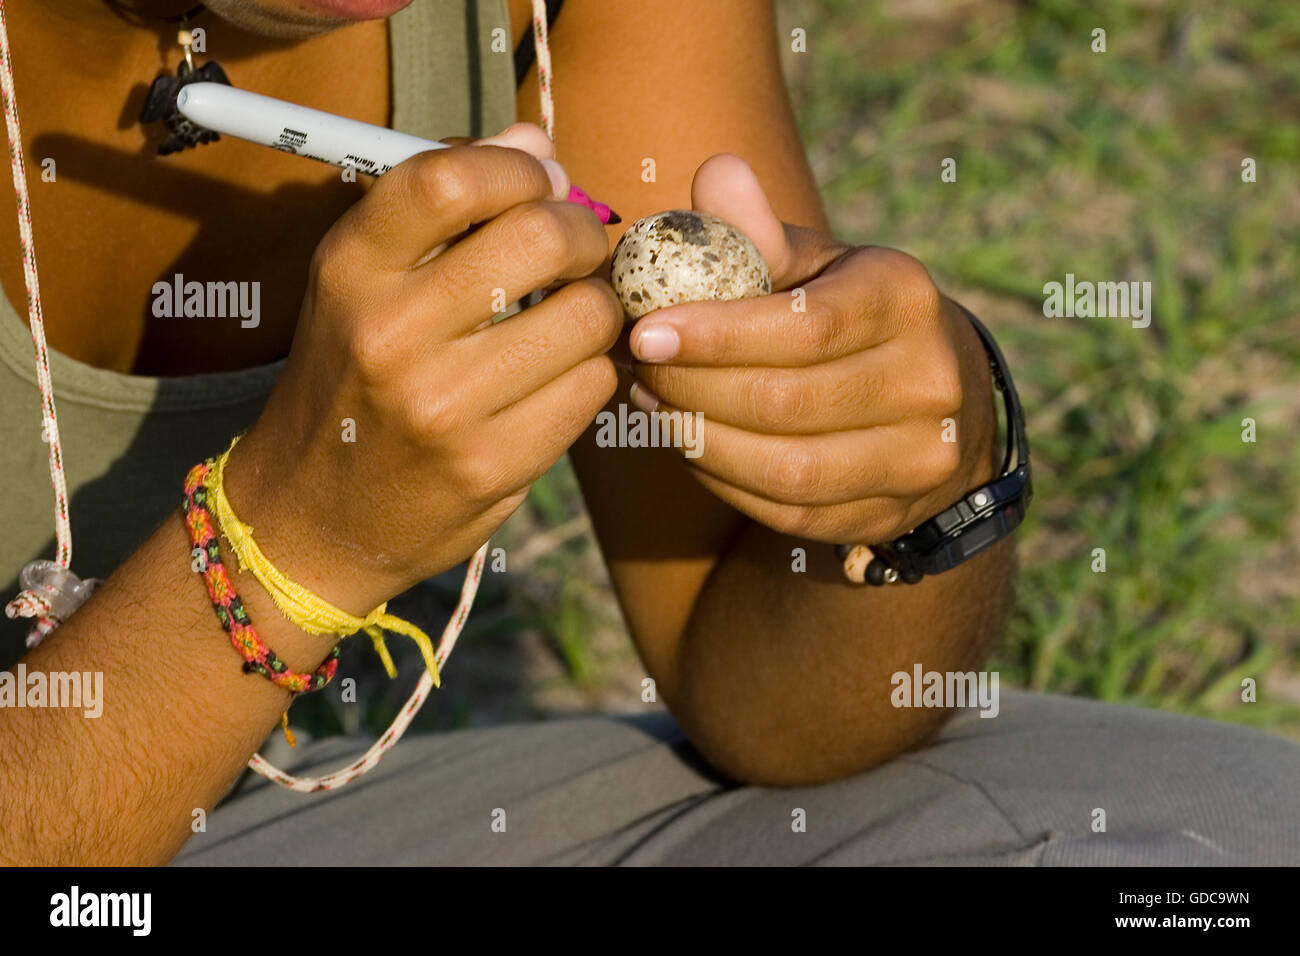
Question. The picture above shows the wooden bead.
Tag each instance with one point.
(855, 564)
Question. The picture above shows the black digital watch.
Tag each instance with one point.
(986, 515)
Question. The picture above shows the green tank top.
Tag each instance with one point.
(129, 439)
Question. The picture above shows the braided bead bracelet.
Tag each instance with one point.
(258, 658)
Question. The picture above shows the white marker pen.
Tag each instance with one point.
(316, 134)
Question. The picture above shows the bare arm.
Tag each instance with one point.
(179, 720)
(777, 676)
(448, 443)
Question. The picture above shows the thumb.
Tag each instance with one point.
(527, 137)
(726, 186)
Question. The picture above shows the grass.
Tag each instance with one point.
(1122, 165)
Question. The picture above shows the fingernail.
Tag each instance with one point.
(643, 398)
(559, 178)
(656, 343)
(510, 136)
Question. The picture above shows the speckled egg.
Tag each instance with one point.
(685, 256)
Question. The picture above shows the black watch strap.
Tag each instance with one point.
(985, 515)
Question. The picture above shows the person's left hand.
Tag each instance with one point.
(850, 405)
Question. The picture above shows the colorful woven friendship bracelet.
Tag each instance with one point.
(258, 658)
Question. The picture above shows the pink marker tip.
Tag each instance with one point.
(607, 215)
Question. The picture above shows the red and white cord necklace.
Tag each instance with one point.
(50, 591)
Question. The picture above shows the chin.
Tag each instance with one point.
(300, 18)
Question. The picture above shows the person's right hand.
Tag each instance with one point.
(452, 421)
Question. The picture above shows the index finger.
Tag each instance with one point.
(851, 306)
(435, 196)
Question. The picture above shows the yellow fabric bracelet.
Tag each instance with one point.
(302, 607)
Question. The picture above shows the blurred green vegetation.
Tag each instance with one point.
(1115, 166)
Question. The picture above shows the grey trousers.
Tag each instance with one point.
(1049, 781)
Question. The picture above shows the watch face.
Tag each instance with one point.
(978, 537)
(958, 534)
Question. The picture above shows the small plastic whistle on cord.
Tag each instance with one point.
(51, 594)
